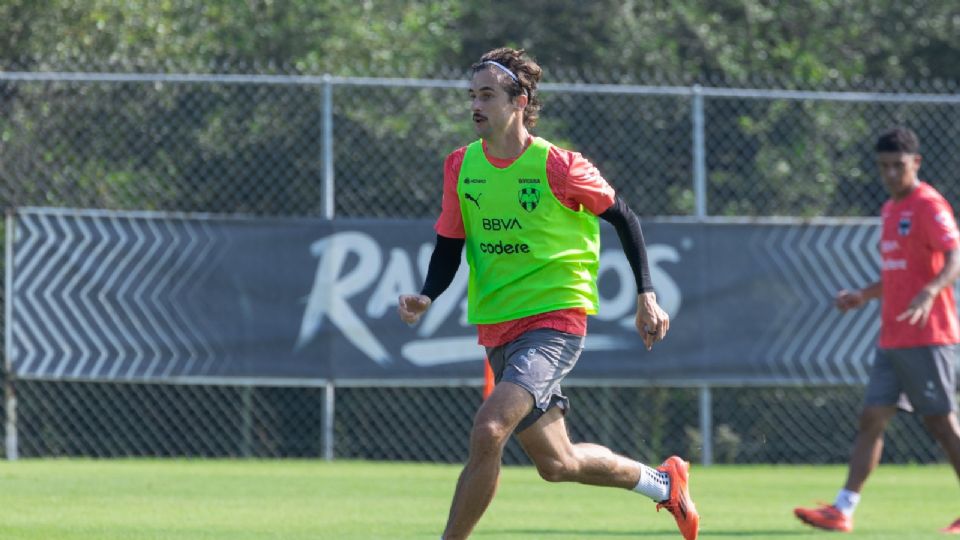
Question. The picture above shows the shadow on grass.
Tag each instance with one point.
(539, 533)
(766, 534)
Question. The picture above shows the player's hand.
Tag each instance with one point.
(652, 321)
(919, 309)
(847, 300)
(412, 306)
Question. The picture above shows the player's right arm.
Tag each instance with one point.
(444, 263)
(847, 300)
(445, 260)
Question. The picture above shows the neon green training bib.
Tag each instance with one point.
(528, 253)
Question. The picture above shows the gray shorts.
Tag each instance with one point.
(537, 361)
(918, 379)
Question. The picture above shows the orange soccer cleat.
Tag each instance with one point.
(953, 528)
(825, 517)
(680, 504)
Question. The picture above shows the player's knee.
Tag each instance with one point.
(556, 469)
(488, 435)
(939, 426)
(873, 422)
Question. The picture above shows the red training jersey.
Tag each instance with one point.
(917, 230)
(575, 182)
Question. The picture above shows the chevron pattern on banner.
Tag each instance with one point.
(808, 338)
(93, 295)
(127, 296)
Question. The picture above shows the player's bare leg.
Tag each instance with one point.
(494, 423)
(864, 458)
(868, 445)
(946, 431)
(559, 460)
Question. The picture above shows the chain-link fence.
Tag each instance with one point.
(338, 147)
(752, 425)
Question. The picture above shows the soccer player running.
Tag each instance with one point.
(914, 364)
(527, 211)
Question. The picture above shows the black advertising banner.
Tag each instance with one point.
(139, 296)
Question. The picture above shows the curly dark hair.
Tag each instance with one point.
(528, 75)
(899, 140)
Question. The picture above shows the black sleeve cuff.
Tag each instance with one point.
(627, 225)
(443, 266)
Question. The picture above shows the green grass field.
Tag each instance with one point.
(291, 500)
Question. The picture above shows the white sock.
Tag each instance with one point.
(847, 502)
(653, 483)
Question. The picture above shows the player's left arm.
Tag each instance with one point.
(922, 304)
(942, 235)
(651, 321)
(586, 186)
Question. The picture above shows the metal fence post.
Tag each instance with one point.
(9, 393)
(328, 405)
(328, 213)
(10, 404)
(700, 211)
(699, 154)
(327, 147)
(246, 421)
(706, 423)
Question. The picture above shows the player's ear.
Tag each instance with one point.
(521, 101)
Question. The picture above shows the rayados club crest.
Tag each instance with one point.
(529, 198)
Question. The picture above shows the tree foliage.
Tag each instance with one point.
(811, 41)
(791, 157)
(325, 35)
(808, 40)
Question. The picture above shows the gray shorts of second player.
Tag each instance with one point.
(918, 379)
(537, 361)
